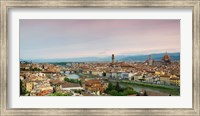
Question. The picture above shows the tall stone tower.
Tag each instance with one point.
(150, 60)
(113, 58)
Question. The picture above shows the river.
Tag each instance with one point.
(72, 76)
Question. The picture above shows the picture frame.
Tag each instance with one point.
(8, 4)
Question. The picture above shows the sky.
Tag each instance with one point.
(72, 38)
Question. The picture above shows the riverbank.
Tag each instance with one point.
(86, 75)
(151, 85)
(165, 90)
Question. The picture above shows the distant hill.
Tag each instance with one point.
(158, 56)
(174, 56)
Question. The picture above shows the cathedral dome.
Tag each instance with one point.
(166, 57)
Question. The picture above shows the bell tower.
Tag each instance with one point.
(113, 58)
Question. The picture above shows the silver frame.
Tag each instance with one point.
(7, 4)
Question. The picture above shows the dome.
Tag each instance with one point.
(166, 57)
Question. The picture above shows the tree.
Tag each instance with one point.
(22, 88)
(110, 87)
(66, 79)
(36, 69)
(118, 88)
(128, 92)
(59, 94)
(80, 83)
(145, 93)
(104, 74)
(114, 93)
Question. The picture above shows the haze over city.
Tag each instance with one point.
(69, 38)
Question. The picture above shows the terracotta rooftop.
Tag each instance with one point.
(68, 84)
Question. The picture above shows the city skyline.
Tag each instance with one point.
(56, 38)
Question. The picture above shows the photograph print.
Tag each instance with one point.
(99, 57)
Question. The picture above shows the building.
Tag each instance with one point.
(138, 77)
(29, 86)
(45, 92)
(159, 73)
(175, 81)
(149, 61)
(108, 74)
(125, 75)
(70, 86)
(96, 86)
(165, 79)
(113, 74)
(97, 73)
